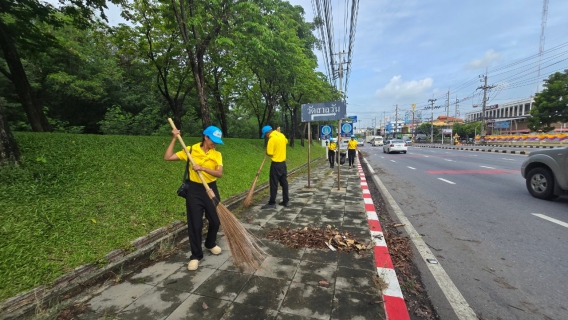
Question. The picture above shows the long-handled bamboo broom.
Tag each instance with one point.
(243, 245)
(248, 199)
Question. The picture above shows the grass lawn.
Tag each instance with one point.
(77, 197)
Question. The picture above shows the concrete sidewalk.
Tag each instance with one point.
(287, 286)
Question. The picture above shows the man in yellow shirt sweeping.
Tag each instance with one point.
(276, 150)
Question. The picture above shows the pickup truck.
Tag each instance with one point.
(546, 173)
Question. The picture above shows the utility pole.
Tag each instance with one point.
(384, 123)
(396, 121)
(432, 119)
(485, 87)
(413, 126)
(447, 114)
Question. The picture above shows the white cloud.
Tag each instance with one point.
(489, 57)
(397, 88)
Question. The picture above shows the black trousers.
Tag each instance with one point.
(331, 157)
(278, 175)
(196, 203)
(351, 156)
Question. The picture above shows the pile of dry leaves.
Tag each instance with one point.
(318, 238)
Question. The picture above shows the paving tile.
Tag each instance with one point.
(224, 285)
(321, 256)
(276, 249)
(278, 268)
(308, 301)
(118, 297)
(365, 260)
(200, 307)
(155, 304)
(356, 280)
(265, 292)
(230, 266)
(156, 273)
(187, 281)
(248, 312)
(356, 306)
(287, 316)
(311, 273)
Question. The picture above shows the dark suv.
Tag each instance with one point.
(546, 173)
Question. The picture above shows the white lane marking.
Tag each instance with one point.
(508, 159)
(411, 168)
(454, 296)
(448, 160)
(393, 161)
(426, 156)
(473, 155)
(448, 181)
(487, 167)
(562, 223)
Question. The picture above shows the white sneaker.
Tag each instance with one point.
(215, 250)
(192, 265)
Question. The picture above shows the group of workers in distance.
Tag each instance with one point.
(333, 148)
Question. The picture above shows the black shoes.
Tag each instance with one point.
(284, 204)
(268, 206)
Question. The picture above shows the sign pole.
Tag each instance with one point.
(309, 148)
(338, 155)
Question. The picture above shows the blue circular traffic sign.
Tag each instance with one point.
(347, 127)
(326, 130)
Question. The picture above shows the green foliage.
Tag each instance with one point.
(551, 105)
(117, 121)
(467, 130)
(75, 198)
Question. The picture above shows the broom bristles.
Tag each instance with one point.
(248, 199)
(244, 246)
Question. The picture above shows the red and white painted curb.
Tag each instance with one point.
(395, 306)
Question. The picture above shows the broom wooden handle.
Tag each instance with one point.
(261, 165)
(209, 191)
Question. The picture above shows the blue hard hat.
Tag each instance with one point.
(265, 129)
(352, 136)
(214, 134)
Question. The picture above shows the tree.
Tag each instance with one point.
(9, 152)
(18, 30)
(160, 41)
(551, 105)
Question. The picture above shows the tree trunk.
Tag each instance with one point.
(36, 117)
(220, 106)
(9, 152)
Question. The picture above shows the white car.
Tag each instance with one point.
(377, 142)
(360, 143)
(395, 146)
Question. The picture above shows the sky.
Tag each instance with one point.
(409, 51)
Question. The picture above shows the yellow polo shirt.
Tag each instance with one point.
(352, 144)
(332, 146)
(210, 160)
(276, 147)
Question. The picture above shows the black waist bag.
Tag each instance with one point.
(183, 190)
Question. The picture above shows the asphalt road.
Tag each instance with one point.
(474, 212)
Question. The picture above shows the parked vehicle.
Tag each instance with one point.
(546, 173)
(360, 142)
(377, 141)
(394, 146)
